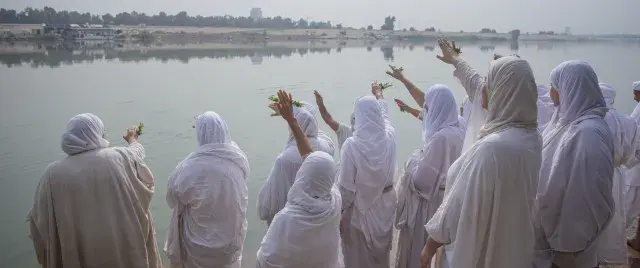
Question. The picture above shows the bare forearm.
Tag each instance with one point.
(327, 118)
(414, 112)
(304, 147)
(431, 248)
(415, 92)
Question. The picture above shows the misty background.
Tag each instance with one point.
(582, 16)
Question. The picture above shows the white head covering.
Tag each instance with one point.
(577, 85)
(608, 93)
(439, 110)
(370, 134)
(636, 86)
(512, 93)
(85, 132)
(211, 128)
(307, 122)
(312, 213)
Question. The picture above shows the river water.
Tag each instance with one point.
(41, 87)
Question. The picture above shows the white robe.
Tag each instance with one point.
(612, 246)
(366, 178)
(421, 189)
(486, 210)
(273, 194)
(632, 184)
(92, 209)
(574, 203)
(207, 192)
(305, 233)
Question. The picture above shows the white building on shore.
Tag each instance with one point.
(256, 13)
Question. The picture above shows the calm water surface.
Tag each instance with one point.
(40, 91)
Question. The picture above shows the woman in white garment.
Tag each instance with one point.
(207, 192)
(632, 191)
(421, 188)
(305, 233)
(273, 194)
(486, 212)
(91, 209)
(366, 178)
(612, 247)
(574, 203)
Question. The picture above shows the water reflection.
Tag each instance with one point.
(58, 54)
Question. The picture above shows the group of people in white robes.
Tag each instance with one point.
(521, 175)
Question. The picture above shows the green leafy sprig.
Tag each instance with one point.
(275, 99)
(140, 128)
(385, 85)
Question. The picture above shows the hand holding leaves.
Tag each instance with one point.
(450, 52)
(285, 105)
(396, 72)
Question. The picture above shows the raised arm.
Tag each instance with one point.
(415, 92)
(285, 106)
(326, 116)
(470, 79)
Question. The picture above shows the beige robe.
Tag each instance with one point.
(91, 210)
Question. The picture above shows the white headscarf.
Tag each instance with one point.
(307, 122)
(305, 233)
(608, 93)
(375, 151)
(211, 128)
(439, 111)
(85, 132)
(511, 87)
(577, 85)
(636, 86)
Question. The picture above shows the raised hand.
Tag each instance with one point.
(396, 72)
(376, 89)
(450, 52)
(285, 105)
(403, 106)
(131, 134)
(319, 100)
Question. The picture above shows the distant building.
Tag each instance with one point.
(567, 31)
(256, 13)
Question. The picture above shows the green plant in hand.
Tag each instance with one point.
(275, 99)
(385, 85)
(140, 128)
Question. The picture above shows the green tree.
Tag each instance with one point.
(389, 23)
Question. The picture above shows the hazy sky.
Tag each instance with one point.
(583, 16)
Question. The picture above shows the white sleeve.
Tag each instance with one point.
(470, 78)
(344, 132)
(346, 180)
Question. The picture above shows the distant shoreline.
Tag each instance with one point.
(22, 32)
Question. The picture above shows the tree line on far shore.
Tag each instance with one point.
(50, 15)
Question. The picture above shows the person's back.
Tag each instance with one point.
(208, 195)
(511, 159)
(92, 210)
